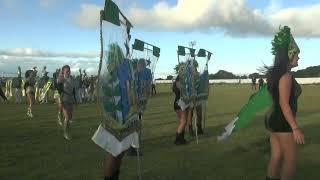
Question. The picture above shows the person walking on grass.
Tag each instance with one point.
(29, 87)
(68, 98)
(182, 114)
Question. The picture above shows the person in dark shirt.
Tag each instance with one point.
(154, 91)
(261, 82)
(254, 83)
(2, 95)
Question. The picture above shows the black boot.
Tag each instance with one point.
(116, 175)
(269, 178)
(191, 132)
(199, 129)
(180, 139)
(183, 140)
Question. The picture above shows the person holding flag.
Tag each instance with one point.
(281, 121)
(281, 96)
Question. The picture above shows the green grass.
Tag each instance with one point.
(34, 149)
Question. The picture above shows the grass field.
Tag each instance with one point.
(34, 149)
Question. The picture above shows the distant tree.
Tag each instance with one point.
(243, 77)
(211, 76)
(256, 75)
(313, 71)
(176, 68)
(170, 77)
(221, 74)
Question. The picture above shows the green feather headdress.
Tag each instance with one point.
(285, 39)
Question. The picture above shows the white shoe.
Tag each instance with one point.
(60, 123)
(67, 137)
(59, 119)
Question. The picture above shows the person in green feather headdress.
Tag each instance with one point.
(281, 121)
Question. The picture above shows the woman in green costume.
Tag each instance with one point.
(285, 133)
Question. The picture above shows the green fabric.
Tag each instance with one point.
(115, 56)
(156, 51)
(138, 45)
(181, 51)
(284, 39)
(111, 13)
(257, 102)
(202, 53)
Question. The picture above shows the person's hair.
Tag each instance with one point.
(275, 72)
(142, 62)
(174, 86)
(65, 67)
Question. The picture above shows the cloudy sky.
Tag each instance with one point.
(238, 32)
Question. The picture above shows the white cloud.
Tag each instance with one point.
(304, 20)
(89, 16)
(29, 52)
(234, 17)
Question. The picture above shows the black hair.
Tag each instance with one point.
(275, 72)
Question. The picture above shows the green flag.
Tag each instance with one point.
(111, 12)
(202, 53)
(138, 45)
(257, 102)
(181, 51)
(156, 51)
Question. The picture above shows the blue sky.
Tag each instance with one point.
(52, 27)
